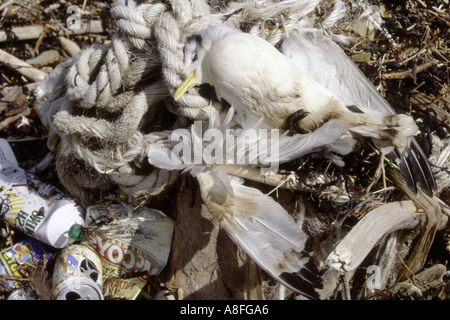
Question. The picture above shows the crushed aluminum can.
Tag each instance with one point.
(38, 209)
(22, 294)
(77, 274)
(29, 250)
(133, 246)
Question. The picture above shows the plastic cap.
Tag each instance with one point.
(76, 232)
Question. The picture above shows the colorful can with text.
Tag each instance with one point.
(78, 274)
(135, 244)
(27, 251)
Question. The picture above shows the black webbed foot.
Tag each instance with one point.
(292, 121)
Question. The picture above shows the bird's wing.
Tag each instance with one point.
(325, 61)
(330, 137)
(265, 231)
(319, 56)
(251, 147)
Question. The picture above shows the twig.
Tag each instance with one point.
(423, 50)
(346, 284)
(409, 73)
(423, 4)
(24, 68)
(7, 3)
(41, 38)
(413, 276)
(15, 278)
(440, 18)
(145, 295)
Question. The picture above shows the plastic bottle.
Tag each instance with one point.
(38, 209)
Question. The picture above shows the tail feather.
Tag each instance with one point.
(406, 170)
(305, 279)
(393, 130)
(411, 162)
(420, 163)
(264, 230)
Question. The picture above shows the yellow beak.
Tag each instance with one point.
(185, 86)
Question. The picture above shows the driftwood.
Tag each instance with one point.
(433, 223)
(34, 32)
(45, 58)
(204, 261)
(353, 249)
(417, 285)
(12, 119)
(69, 46)
(22, 67)
(15, 96)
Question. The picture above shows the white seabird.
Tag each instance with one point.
(259, 81)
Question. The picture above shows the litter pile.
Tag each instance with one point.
(129, 230)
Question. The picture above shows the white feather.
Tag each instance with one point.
(262, 228)
(162, 157)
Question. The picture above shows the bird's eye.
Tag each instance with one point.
(194, 57)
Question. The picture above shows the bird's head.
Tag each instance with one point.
(194, 53)
(195, 50)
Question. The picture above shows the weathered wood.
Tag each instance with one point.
(417, 285)
(204, 263)
(34, 32)
(11, 119)
(432, 209)
(69, 46)
(355, 246)
(21, 66)
(45, 58)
